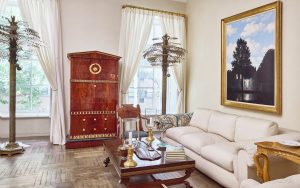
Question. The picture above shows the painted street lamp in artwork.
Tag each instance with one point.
(165, 54)
(17, 41)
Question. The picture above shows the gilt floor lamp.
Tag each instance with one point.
(164, 53)
(17, 41)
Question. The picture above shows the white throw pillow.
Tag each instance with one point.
(249, 128)
(200, 118)
(222, 124)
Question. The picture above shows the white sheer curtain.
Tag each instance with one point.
(2, 6)
(44, 17)
(135, 31)
(175, 26)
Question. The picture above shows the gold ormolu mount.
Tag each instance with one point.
(130, 162)
(150, 137)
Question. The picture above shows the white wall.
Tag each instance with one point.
(204, 46)
(95, 25)
(26, 127)
(86, 25)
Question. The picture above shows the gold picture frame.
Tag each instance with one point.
(251, 63)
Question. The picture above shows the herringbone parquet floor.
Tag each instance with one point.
(44, 165)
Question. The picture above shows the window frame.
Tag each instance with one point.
(157, 111)
(12, 4)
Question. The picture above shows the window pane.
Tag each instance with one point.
(24, 76)
(38, 76)
(146, 87)
(32, 90)
(40, 99)
(172, 94)
(23, 99)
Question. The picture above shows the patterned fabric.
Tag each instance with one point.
(164, 122)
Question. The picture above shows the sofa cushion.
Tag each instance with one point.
(221, 154)
(252, 128)
(176, 132)
(195, 141)
(289, 182)
(200, 118)
(222, 124)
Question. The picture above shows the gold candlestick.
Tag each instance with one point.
(130, 162)
(150, 137)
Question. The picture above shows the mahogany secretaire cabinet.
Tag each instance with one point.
(94, 97)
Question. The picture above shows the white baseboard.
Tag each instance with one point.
(27, 135)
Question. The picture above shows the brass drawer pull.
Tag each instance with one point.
(83, 119)
(105, 119)
(95, 119)
(83, 130)
(95, 85)
(105, 129)
(95, 129)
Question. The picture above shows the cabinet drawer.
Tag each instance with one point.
(110, 124)
(96, 124)
(79, 125)
(93, 124)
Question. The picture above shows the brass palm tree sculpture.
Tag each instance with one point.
(17, 41)
(164, 54)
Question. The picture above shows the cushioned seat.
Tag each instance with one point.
(195, 141)
(221, 154)
(176, 132)
(222, 144)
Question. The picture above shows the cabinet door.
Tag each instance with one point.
(106, 94)
(79, 125)
(93, 97)
(110, 124)
(94, 69)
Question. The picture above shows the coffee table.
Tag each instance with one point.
(145, 167)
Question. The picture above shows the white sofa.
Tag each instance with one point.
(289, 182)
(223, 145)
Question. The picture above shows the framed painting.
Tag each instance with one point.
(251, 59)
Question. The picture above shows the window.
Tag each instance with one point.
(33, 90)
(146, 87)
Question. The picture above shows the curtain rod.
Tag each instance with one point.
(154, 10)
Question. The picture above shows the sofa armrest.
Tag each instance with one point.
(164, 122)
(250, 147)
(245, 166)
(249, 183)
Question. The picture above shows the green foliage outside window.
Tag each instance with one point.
(33, 91)
(32, 86)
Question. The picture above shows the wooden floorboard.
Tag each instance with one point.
(44, 165)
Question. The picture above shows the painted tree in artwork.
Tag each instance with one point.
(242, 65)
(265, 76)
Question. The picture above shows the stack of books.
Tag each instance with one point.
(175, 153)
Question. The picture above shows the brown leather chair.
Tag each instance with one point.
(129, 113)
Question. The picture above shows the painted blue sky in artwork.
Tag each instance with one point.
(257, 30)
